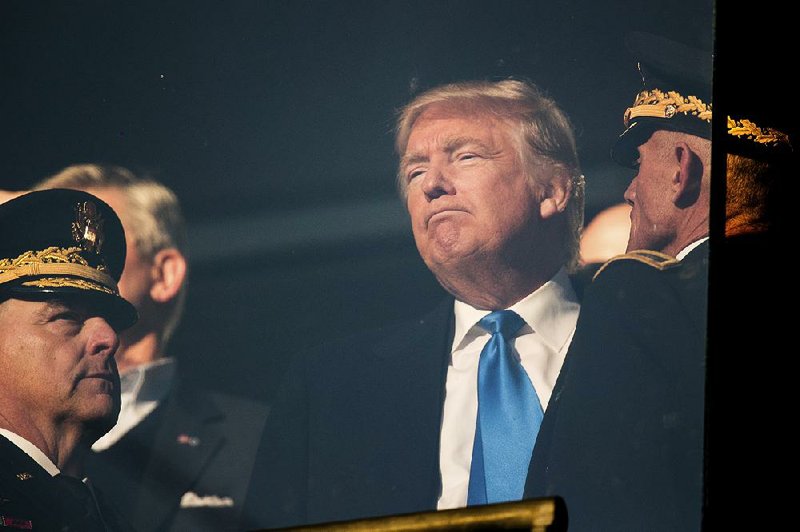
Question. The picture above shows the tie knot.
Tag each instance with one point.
(505, 322)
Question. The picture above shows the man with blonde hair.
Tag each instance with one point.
(443, 411)
(179, 458)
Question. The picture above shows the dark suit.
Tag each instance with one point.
(356, 430)
(622, 440)
(198, 442)
(30, 498)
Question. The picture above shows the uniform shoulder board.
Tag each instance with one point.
(655, 259)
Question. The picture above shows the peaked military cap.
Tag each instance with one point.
(64, 242)
(675, 94)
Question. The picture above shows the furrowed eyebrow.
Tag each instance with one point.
(50, 307)
(414, 158)
(450, 146)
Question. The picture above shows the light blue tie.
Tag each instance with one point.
(509, 416)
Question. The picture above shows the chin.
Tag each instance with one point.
(102, 414)
(97, 425)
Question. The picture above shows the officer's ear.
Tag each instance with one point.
(688, 177)
(169, 273)
(555, 195)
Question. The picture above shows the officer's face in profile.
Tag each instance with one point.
(57, 359)
(650, 195)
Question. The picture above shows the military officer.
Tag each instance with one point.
(622, 440)
(61, 255)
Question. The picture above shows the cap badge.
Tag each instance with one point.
(87, 229)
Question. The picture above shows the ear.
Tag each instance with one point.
(169, 272)
(688, 177)
(555, 195)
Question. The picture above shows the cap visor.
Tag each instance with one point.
(119, 313)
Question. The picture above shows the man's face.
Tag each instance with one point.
(650, 196)
(57, 362)
(467, 192)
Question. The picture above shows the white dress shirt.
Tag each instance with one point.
(685, 251)
(550, 314)
(142, 389)
(31, 450)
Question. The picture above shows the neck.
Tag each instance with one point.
(134, 352)
(495, 287)
(693, 227)
(64, 444)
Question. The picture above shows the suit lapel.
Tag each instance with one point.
(416, 362)
(187, 438)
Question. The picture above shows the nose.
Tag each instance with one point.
(630, 193)
(436, 184)
(103, 339)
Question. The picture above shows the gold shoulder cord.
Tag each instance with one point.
(655, 259)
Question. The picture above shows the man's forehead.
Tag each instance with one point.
(455, 111)
(448, 132)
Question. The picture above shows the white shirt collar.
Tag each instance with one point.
(542, 310)
(148, 382)
(31, 450)
(144, 387)
(685, 251)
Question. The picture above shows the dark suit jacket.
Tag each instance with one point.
(622, 439)
(355, 432)
(32, 499)
(196, 443)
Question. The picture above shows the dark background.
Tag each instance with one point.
(272, 121)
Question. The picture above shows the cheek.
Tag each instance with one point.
(135, 282)
(415, 208)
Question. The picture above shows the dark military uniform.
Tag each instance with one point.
(68, 245)
(622, 440)
(32, 499)
(623, 437)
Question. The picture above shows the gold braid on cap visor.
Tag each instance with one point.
(762, 135)
(658, 104)
(57, 267)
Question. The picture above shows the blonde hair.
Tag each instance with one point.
(152, 219)
(543, 130)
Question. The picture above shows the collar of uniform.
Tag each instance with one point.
(31, 450)
(148, 382)
(551, 310)
(685, 251)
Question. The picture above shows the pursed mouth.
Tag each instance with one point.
(101, 375)
(442, 211)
